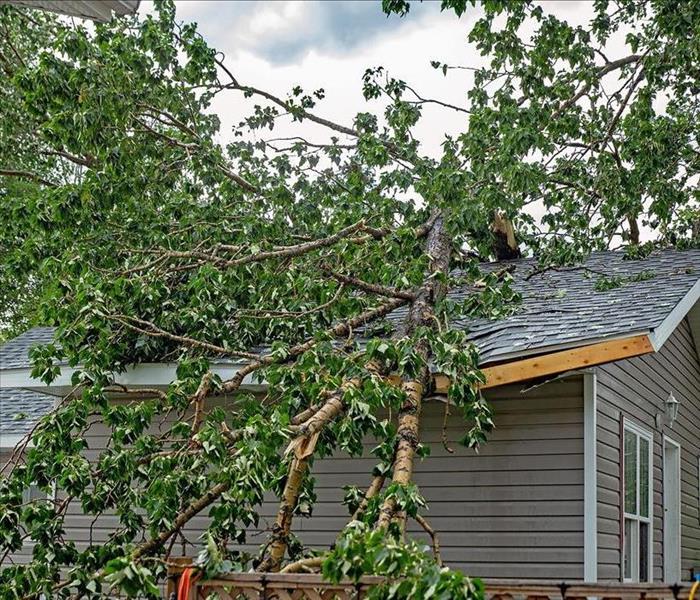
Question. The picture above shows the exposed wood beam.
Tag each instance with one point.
(559, 362)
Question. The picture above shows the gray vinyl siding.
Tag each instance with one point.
(26, 553)
(637, 389)
(514, 510)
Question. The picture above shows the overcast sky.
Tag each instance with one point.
(329, 44)
(275, 45)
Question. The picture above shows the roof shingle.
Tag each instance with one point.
(559, 306)
(20, 410)
(563, 306)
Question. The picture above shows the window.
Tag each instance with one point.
(637, 504)
(33, 493)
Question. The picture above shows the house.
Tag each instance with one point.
(592, 472)
(96, 10)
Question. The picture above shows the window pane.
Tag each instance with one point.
(628, 550)
(643, 552)
(630, 472)
(33, 493)
(643, 477)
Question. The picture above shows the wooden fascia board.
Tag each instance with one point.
(559, 362)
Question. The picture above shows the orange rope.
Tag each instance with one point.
(184, 586)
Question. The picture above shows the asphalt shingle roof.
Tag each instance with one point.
(564, 307)
(15, 353)
(559, 306)
(20, 410)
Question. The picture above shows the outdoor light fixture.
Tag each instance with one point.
(671, 409)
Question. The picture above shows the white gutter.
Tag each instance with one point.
(142, 375)
(8, 441)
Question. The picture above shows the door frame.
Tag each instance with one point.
(672, 531)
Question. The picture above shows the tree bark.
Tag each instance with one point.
(302, 448)
(283, 524)
(421, 313)
(634, 229)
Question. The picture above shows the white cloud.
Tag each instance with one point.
(277, 45)
(253, 36)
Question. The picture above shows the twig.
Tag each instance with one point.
(26, 175)
(274, 314)
(433, 536)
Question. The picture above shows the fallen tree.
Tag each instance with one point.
(320, 266)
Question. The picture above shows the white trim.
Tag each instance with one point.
(648, 435)
(693, 318)
(590, 479)
(678, 572)
(154, 374)
(146, 374)
(669, 324)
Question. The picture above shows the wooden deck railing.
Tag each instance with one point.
(258, 586)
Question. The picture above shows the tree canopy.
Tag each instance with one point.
(320, 266)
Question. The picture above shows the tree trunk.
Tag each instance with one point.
(283, 524)
(505, 244)
(634, 230)
(421, 313)
(302, 448)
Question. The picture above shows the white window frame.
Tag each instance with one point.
(26, 494)
(679, 507)
(649, 436)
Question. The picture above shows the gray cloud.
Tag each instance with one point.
(284, 32)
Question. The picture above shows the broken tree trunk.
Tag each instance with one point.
(504, 244)
(280, 532)
(421, 314)
(302, 448)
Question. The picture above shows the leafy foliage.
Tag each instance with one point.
(410, 570)
(319, 267)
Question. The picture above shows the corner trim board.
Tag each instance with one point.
(590, 478)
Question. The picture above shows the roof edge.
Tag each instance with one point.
(555, 363)
(664, 331)
(8, 441)
(140, 375)
(510, 357)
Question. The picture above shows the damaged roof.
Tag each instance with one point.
(606, 297)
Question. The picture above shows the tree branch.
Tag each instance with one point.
(155, 331)
(372, 288)
(298, 249)
(601, 72)
(26, 175)
(433, 536)
(340, 330)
